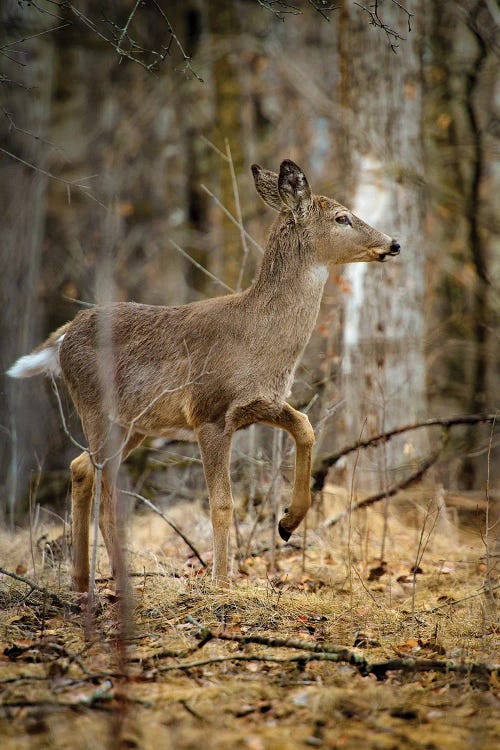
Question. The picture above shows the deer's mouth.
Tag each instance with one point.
(394, 249)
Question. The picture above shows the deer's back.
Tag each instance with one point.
(189, 363)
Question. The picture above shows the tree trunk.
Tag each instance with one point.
(24, 415)
(462, 147)
(383, 362)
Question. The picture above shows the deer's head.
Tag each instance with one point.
(334, 233)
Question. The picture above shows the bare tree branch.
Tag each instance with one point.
(376, 20)
(319, 474)
(393, 489)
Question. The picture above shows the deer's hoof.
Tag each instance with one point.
(284, 533)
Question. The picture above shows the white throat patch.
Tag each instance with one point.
(319, 274)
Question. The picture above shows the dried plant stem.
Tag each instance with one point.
(422, 546)
(259, 515)
(384, 480)
(349, 519)
(489, 526)
(232, 218)
(93, 558)
(32, 523)
(239, 215)
(169, 522)
(200, 267)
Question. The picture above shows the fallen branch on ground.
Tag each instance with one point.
(54, 599)
(332, 652)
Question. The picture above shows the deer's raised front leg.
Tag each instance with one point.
(299, 427)
(215, 447)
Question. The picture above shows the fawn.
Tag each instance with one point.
(210, 367)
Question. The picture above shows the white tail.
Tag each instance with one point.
(43, 361)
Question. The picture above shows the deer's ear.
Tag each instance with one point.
(266, 184)
(294, 189)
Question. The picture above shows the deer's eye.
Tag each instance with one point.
(343, 219)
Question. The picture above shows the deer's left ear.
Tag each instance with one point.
(294, 189)
(266, 184)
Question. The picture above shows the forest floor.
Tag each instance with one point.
(200, 668)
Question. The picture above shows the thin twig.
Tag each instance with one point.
(349, 516)
(239, 216)
(422, 546)
(232, 218)
(488, 528)
(93, 558)
(169, 522)
(63, 418)
(17, 129)
(452, 603)
(199, 266)
(68, 183)
(32, 36)
(125, 28)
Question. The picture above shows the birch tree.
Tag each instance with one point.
(383, 362)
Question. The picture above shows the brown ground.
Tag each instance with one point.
(60, 690)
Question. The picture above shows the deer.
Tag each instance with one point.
(207, 368)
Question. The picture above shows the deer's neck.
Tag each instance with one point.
(287, 293)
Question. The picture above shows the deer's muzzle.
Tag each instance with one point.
(394, 249)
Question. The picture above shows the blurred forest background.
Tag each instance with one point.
(124, 126)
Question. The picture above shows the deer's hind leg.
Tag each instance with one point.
(82, 486)
(215, 447)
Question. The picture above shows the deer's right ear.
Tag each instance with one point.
(294, 189)
(266, 184)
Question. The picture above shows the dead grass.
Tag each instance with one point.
(60, 690)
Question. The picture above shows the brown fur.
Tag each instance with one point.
(211, 367)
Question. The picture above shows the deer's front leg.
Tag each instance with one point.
(299, 427)
(215, 448)
(111, 521)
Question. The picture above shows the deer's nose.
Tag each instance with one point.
(395, 248)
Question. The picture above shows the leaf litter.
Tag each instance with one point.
(221, 668)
